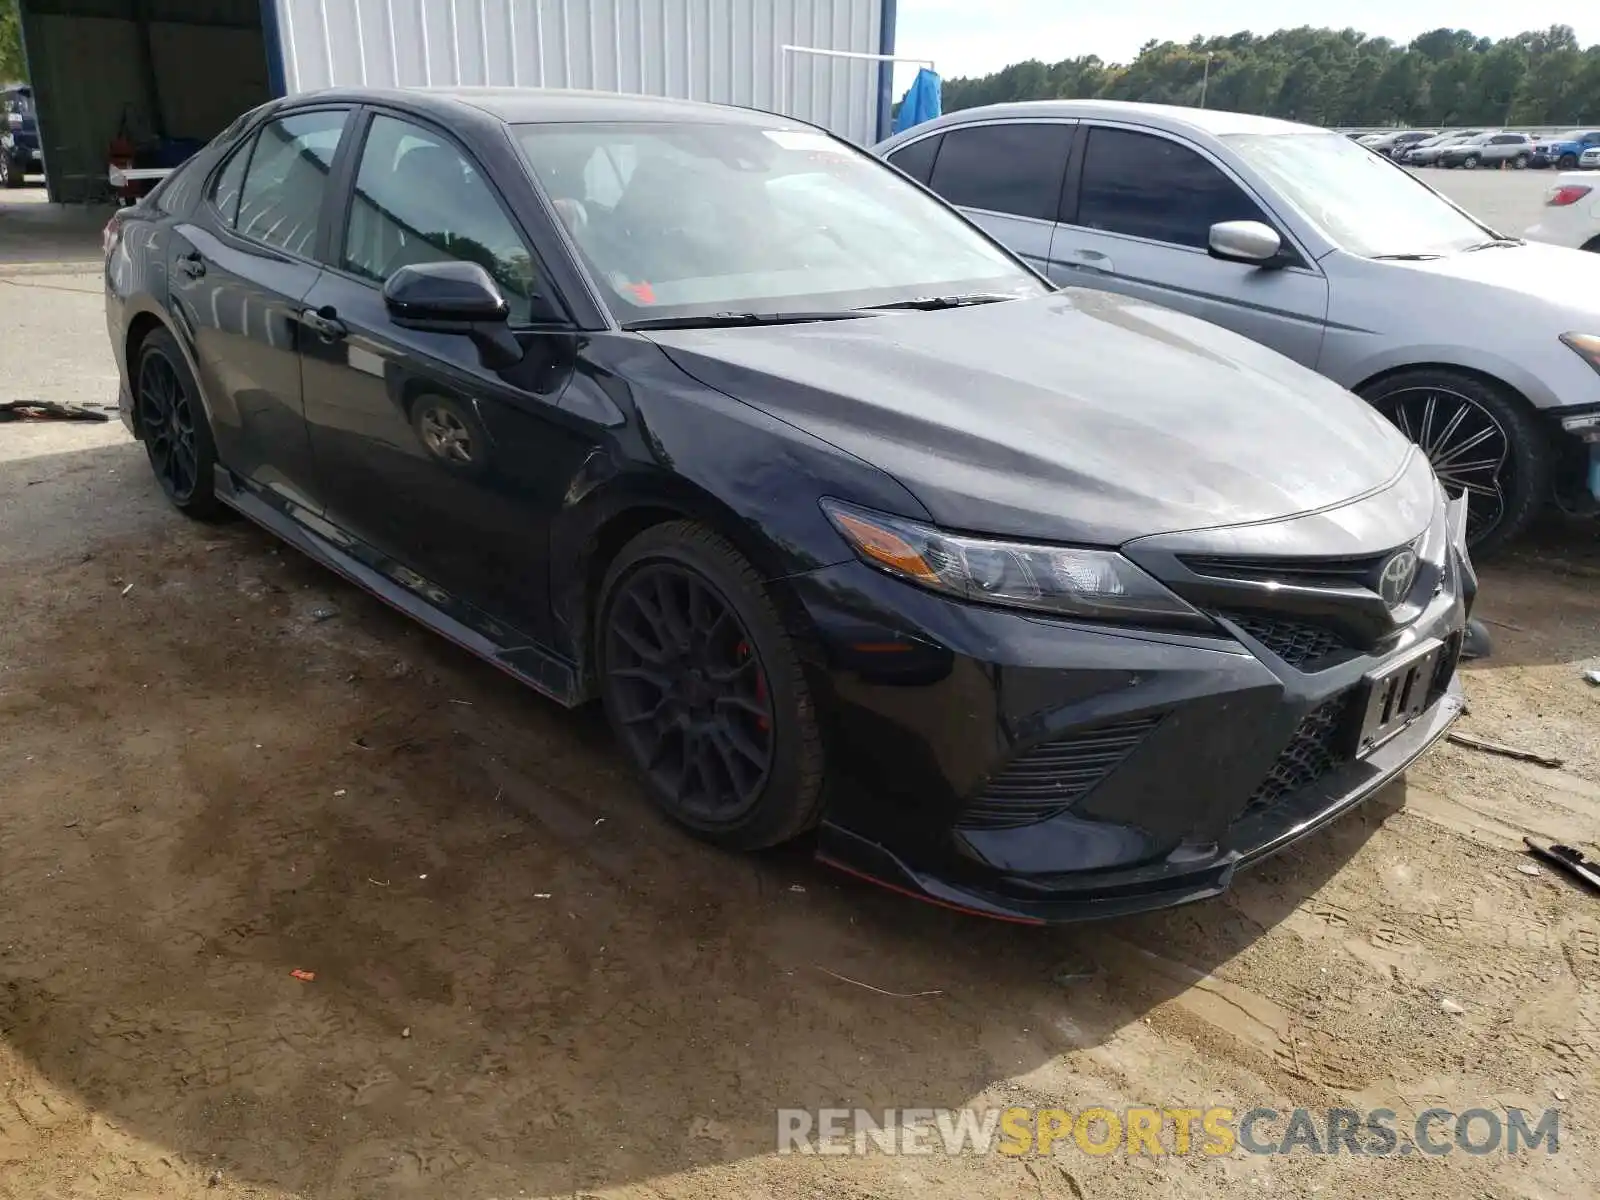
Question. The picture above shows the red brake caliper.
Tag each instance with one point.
(743, 651)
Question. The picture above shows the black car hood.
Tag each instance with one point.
(1081, 416)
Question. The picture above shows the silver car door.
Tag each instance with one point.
(1137, 220)
(1006, 176)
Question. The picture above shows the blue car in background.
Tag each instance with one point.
(20, 154)
(1565, 150)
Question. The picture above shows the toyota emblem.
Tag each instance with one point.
(1399, 573)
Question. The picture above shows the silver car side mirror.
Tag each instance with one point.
(1245, 241)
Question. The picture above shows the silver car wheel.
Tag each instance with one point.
(1467, 445)
(446, 436)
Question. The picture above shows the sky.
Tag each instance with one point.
(974, 37)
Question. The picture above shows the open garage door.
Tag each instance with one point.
(166, 75)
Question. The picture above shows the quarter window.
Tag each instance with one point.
(1151, 187)
(225, 191)
(1014, 169)
(280, 201)
(916, 160)
(420, 200)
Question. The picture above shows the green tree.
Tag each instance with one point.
(1332, 76)
(13, 66)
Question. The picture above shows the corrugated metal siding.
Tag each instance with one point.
(725, 51)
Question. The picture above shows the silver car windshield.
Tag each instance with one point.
(684, 219)
(1364, 203)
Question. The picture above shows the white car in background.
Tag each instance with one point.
(1571, 214)
(1589, 160)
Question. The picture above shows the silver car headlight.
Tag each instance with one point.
(1062, 580)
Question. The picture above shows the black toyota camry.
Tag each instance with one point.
(1044, 604)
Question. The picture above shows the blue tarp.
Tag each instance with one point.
(921, 101)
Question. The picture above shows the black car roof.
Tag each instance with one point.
(519, 106)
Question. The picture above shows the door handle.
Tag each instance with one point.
(191, 264)
(1089, 260)
(324, 322)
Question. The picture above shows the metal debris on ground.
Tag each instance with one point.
(47, 410)
(1592, 677)
(127, 589)
(1451, 1006)
(879, 990)
(1529, 869)
(326, 613)
(1568, 859)
(1500, 748)
(303, 976)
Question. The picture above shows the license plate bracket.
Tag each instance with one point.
(1396, 694)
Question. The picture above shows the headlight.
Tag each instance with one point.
(1052, 579)
(1585, 345)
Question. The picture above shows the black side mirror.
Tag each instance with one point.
(454, 297)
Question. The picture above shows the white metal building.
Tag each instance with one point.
(182, 69)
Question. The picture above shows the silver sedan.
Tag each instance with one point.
(1483, 348)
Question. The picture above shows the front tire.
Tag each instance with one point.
(172, 423)
(1520, 163)
(1482, 440)
(703, 685)
(1567, 161)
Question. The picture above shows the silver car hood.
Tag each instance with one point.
(1553, 275)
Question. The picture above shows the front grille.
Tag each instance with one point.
(1356, 572)
(1296, 642)
(1312, 752)
(1048, 779)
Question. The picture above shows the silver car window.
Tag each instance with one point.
(1365, 204)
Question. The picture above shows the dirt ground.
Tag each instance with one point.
(526, 984)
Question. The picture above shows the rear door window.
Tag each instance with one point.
(1015, 169)
(1146, 186)
(286, 180)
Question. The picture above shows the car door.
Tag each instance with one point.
(1138, 221)
(1006, 176)
(426, 455)
(238, 269)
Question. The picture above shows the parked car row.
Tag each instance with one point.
(1042, 602)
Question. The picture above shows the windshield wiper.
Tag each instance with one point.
(1406, 257)
(1496, 243)
(928, 303)
(722, 319)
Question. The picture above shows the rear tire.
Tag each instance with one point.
(11, 175)
(1481, 437)
(172, 423)
(1470, 162)
(1519, 163)
(1567, 161)
(1592, 245)
(704, 687)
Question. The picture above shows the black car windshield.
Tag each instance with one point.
(686, 219)
(1365, 203)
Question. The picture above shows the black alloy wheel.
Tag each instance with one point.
(1481, 442)
(172, 423)
(704, 689)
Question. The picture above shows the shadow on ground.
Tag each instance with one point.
(523, 978)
